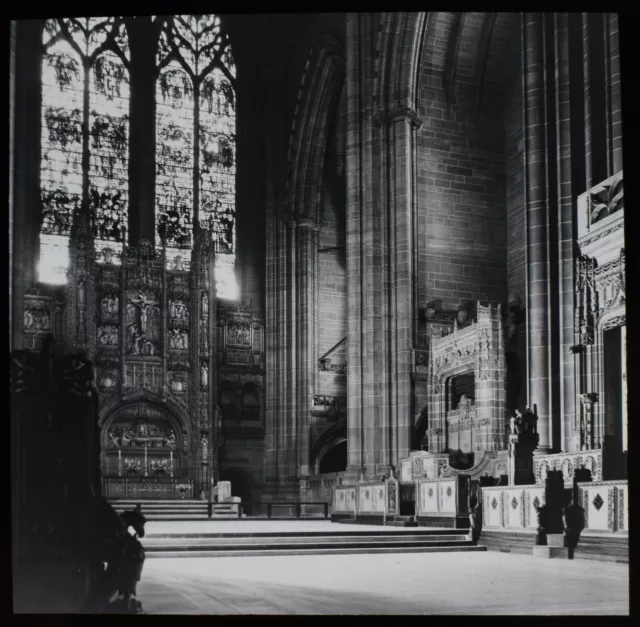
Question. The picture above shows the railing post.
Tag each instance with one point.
(209, 509)
(268, 510)
(298, 510)
(326, 510)
(240, 505)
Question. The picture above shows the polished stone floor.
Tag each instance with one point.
(436, 583)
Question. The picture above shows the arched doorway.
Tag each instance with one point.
(335, 458)
(145, 452)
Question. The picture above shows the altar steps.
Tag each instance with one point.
(183, 509)
(391, 521)
(305, 543)
(613, 547)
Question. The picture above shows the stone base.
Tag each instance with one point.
(550, 552)
(555, 540)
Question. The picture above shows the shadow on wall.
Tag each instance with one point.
(242, 485)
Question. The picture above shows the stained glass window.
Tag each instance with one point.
(84, 154)
(195, 141)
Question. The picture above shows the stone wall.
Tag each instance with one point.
(461, 188)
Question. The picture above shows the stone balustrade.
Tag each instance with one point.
(605, 504)
(367, 498)
(511, 508)
(439, 497)
(344, 500)
(568, 463)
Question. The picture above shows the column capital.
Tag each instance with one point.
(304, 223)
(399, 114)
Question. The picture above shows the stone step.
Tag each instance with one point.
(245, 552)
(335, 531)
(159, 541)
(149, 503)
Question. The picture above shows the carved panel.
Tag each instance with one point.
(179, 362)
(107, 381)
(178, 384)
(140, 374)
(109, 309)
(37, 315)
(257, 338)
(178, 314)
(132, 433)
(238, 332)
(143, 324)
(239, 357)
(178, 339)
(108, 336)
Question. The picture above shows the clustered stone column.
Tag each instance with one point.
(306, 231)
(380, 274)
(537, 224)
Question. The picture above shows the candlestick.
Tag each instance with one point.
(119, 462)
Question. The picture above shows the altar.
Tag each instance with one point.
(158, 487)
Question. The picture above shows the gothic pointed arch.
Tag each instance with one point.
(334, 435)
(318, 97)
(398, 55)
(166, 405)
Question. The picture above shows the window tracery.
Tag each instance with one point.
(84, 149)
(195, 164)
(85, 139)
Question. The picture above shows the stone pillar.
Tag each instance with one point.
(358, 194)
(277, 312)
(536, 225)
(26, 99)
(616, 98)
(402, 137)
(306, 244)
(566, 193)
(380, 253)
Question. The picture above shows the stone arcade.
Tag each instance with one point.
(371, 264)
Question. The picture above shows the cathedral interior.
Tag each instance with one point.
(310, 253)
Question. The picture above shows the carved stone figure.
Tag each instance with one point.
(170, 440)
(205, 304)
(204, 375)
(184, 339)
(204, 447)
(28, 319)
(185, 442)
(81, 293)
